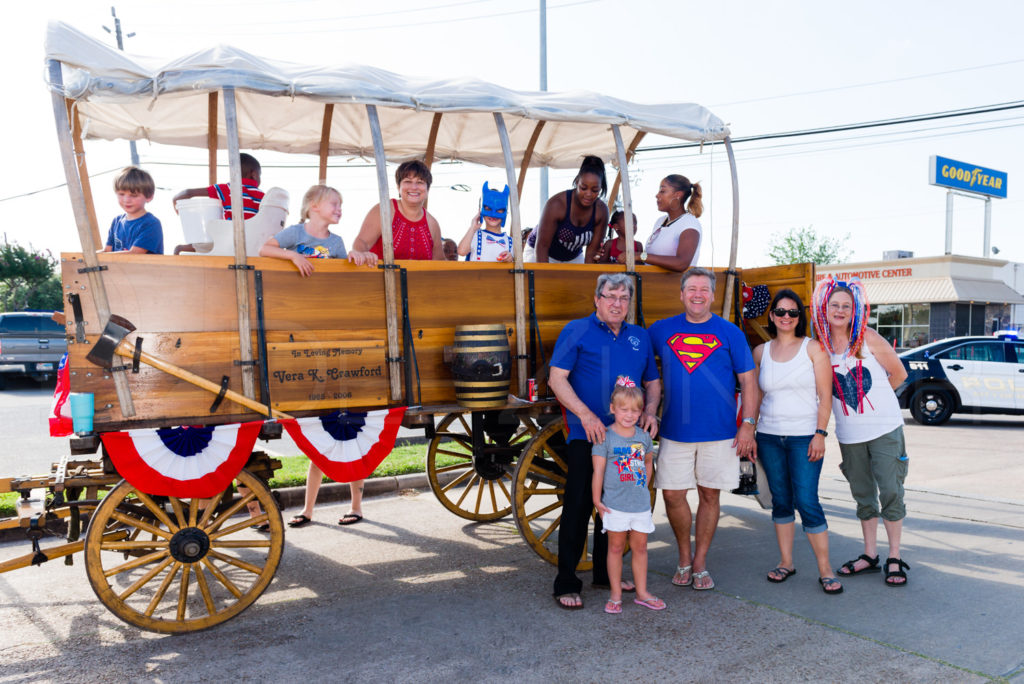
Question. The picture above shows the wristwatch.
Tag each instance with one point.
(823, 433)
(750, 421)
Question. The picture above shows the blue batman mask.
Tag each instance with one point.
(494, 204)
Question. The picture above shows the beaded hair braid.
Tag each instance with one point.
(861, 311)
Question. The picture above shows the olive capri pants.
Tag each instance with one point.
(875, 470)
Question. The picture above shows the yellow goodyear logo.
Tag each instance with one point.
(970, 177)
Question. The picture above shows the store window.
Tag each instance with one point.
(906, 325)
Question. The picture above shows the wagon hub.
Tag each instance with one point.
(189, 545)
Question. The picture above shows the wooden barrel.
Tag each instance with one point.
(482, 365)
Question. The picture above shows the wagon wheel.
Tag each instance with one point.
(177, 567)
(538, 489)
(477, 488)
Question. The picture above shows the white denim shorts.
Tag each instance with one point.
(684, 465)
(619, 521)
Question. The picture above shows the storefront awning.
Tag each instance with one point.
(943, 289)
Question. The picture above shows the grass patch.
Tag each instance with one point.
(406, 458)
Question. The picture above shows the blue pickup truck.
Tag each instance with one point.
(31, 344)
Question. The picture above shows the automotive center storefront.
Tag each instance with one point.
(919, 300)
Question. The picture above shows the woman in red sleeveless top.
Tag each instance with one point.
(415, 233)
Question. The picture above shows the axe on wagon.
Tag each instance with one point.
(112, 342)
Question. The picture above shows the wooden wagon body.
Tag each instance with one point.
(348, 338)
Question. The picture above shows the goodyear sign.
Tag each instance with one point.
(950, 173)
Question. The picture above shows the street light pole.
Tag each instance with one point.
(120, 46)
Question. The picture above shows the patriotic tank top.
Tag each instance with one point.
(411, 239)
(863, 402)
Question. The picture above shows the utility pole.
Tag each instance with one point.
(120, 46)
(543, 87)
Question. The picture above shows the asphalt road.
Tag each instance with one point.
(415, 593)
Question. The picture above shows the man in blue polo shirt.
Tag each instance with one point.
(702, 358)
(591, 354)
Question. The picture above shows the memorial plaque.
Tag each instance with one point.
(317, 375)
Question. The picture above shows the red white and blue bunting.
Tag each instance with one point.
(347, 445)
(185, 462)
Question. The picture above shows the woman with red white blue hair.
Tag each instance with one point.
(869, 423)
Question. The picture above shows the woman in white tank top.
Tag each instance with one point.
(869, 423)
(795, 382)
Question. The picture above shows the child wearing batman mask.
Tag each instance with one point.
(487, 242)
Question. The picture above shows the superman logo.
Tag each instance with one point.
(692, 350)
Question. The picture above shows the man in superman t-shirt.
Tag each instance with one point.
(702, 358)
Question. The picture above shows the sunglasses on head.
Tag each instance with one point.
(792, 313)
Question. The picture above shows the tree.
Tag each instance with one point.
(28, 279)
(802, 245)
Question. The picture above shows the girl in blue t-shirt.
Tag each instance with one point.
(622, 469)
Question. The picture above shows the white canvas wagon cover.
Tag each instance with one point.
(281, 107)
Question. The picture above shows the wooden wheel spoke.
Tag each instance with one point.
(479, 495)
(456, 454)
(556, 458)
(137, 522)
(504, 489)
(241, 544)
(538, 491)
(494, 500)
(144, 580)
(156, 510)
(162, 589)
(465, 426)
(544, 511)
(454, 466)
(551, 528)
(230, 512)
(217, 533)
(179, 512)
(211, 508)
(186, 571)
(238, 563)
(469, 486)
(221, 577)
(464, 441)
(204, 590)
(454, 483)
(128, 545)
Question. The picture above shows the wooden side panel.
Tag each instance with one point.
(183, 308)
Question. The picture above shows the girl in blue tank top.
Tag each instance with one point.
(573, 224)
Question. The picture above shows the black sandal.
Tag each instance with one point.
(898, 572)
(849, 565)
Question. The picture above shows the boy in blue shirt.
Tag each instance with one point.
(136, 231)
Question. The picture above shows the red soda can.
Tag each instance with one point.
(531, 389)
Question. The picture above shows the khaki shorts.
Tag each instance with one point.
(684, 465)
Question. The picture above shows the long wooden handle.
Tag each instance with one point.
(128, 351)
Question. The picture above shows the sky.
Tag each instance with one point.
(761, 67)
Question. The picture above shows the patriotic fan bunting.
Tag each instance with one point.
(185, 462)
(347, 445)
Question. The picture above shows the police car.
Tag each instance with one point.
(964, 375)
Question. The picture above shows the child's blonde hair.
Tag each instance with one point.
(313, 196)
(134, 179)
(633, 393)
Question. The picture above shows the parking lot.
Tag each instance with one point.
(415, 593)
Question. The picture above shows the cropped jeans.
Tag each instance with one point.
(792, 479)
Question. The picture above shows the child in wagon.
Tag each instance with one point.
(488, 242)
(623, 466)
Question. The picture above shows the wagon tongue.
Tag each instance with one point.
(102, 353)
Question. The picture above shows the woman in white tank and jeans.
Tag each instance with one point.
(795, 382)
(869, 423)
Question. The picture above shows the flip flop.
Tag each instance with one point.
(350, 519)
(265, 527)
(701, 575)
(785, 572)
(299, 521)
(612, 607)
(572, 595)
(654, 603)
(830, 585)
(685, 573)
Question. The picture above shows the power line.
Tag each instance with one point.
(948, 114)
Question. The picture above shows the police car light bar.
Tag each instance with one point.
(1007, 334)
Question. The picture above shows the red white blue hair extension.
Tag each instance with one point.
(858, 323)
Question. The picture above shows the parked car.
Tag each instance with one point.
(964, 375)
(31, 344)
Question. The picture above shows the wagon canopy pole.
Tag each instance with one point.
(730, 278)
(630, 152)
(83, 170)
(528, 155)
(211, 135)
(627, 208)
(325, 142)
(238, 224)
(390, 276)
(517, 250)
(85, 230)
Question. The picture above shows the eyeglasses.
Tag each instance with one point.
(782, 313)
(613, 299)
(840, 307)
